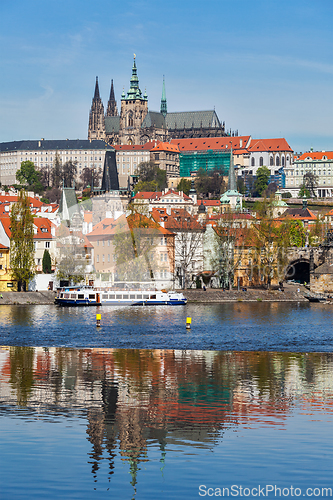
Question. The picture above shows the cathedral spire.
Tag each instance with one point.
(112, 104)
(163, 100)
(96, 95)
(134, 91)
(96, 128)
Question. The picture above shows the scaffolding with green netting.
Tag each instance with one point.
(190, 162)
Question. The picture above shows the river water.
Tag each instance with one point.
(142, 408)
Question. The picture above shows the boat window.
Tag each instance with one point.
(125, 296)
(132, 296)
(61, 295)
(146, 296)
(91, 295)
(118, 296)
(153, 296)
(139, 296)
(104, 296)
(66, 295)
(80, 296)
(111, 296)
(73, 296)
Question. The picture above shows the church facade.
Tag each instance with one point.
(137, 125)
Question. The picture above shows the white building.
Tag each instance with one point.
(317, 163)
(87, 154)
(128, 157)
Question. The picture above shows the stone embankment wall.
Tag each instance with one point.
(252, 295)
(27, 298)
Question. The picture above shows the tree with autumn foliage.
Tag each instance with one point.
(135, 242)
(270, 242)
(22, 261)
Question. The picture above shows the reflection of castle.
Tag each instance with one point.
(137, 125)
(135, 398)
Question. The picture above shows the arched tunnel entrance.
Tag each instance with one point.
(299, 271)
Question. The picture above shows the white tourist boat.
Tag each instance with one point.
(91, 296)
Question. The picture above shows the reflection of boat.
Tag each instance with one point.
(313, 297)
(90, 296)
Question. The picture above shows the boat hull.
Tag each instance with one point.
(98, 297)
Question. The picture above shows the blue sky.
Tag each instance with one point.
(265, 65)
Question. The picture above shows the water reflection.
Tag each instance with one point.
(136, 400)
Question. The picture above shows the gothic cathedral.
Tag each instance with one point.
(137, 125)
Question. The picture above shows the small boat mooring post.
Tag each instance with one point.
(188, 323)
(98, 319)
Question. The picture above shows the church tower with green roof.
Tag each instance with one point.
(134, 108)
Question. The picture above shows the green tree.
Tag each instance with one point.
(21, 243)
(304, 192)
(47, 264)
(262, 180)
(296, 233)
(28, 176)
(151, 178)
(209, 184)
(184, 185)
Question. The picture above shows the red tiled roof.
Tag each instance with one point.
(213, 143)
(269, 145)
(39, 222)
(34, 202)
(179, 219)
(316, 155)
(166, 146)
(209, 203)
(3, 247)
(87, 216)
(146, 195)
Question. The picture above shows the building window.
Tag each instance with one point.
(252, 162)
(261, 161)
(97, 259)
(277, 161)
(47, 244)
(271, 161)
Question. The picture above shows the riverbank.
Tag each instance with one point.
(290, 294)
(27, 298)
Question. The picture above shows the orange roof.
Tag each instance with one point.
(179, 219)
(3, 247)
(87, 216)
(209, 203)
(316, 155)
(105, 227)
(137, 147)
(166, 146)
(212, 143)
(146, 195)
(33, 202)
(42, 224)
(269, 145)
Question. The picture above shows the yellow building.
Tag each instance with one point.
(6, 282)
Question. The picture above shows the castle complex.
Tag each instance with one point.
(137, 125)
